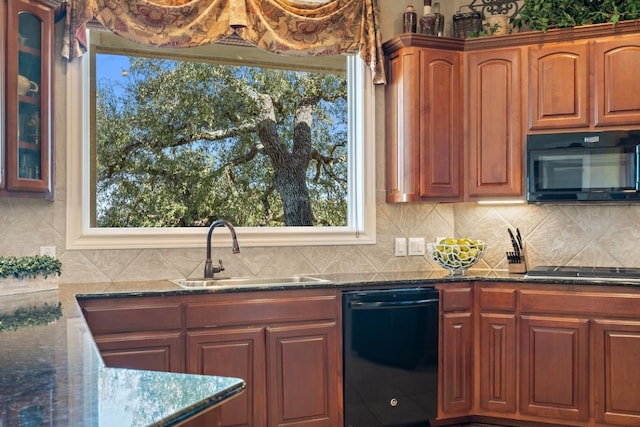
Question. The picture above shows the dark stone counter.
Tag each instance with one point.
(52, 374)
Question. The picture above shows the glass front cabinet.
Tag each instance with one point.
(27, 74)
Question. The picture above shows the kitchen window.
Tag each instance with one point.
(82, 232)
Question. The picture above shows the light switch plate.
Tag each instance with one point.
(416, 246)
(401, 246)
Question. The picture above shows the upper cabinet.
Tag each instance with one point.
(562, 96)
(27, 75)
(616, 85)
(494, 116)
(559, 86)
(431, 98)
(423, 124)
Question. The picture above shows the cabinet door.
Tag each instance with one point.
(498, 362)
(402, 110)
(494, 114)
(236, 352)
(304, 365)
(554, 381)
(456, 363)
(616, 82)
(154, 351)
(30, 31)
(423, 125)
(616, 374)
(559, 86)
(440, 124)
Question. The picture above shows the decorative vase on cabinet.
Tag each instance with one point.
(28, 39)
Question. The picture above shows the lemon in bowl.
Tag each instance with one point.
(456, 255)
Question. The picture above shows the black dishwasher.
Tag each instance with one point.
(390, 357)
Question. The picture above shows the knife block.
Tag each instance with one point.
(519, 266)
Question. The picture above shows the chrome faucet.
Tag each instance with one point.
(209, 269)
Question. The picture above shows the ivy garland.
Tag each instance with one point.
(545, 14)
(29, 267)
(32, 316)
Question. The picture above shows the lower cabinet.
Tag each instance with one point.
(455, 361)
(497, 362)
(616, 378)
(301, 371)
(554, 379)
(286, 345)
(232, 352)
(154, 351)
(558, 355)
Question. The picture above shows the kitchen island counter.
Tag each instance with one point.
(51, 373)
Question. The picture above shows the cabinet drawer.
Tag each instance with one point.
(592, 304)
(456, 299)
(261, 308)
(492, 299)
(111, 315)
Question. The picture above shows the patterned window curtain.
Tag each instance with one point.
(290, 27)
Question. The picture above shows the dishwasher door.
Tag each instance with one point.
(390, 357)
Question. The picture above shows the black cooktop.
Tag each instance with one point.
(577, 272)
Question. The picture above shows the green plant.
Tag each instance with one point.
(545, 14)
(29, 266)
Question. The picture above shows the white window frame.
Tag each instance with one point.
(362, 211)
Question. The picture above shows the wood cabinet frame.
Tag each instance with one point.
(28, 164)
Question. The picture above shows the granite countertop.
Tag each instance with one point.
(52, 373)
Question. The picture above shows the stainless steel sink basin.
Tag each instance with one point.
(249, 281)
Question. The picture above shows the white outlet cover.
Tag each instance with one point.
(48, 250)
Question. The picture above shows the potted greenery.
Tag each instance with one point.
(28, 274)
(545, 14)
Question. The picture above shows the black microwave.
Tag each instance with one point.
(583, 167)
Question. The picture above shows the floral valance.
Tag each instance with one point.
(293, 27)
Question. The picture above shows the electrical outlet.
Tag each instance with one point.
(48, 250)
(416, 246)
(401, 246)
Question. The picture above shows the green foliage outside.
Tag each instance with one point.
(545, 14)
(184, 143)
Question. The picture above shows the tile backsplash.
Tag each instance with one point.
(598, 235)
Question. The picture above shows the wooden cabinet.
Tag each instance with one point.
(559, 86)
(584, 84)
(233, 352)
(423, 124)
(154, 351)
(616, 83)
(137, 333)
(494, 144)
(616, 378)
(554, 379)
(286, 345)
(28, 36)
(455, 360)
(575, 79)
(497, 350)
(302, 364)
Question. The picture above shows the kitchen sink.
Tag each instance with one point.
(249, 281)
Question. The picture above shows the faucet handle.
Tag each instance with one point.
(220, 266)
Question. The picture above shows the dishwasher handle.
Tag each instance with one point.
(372, 305)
